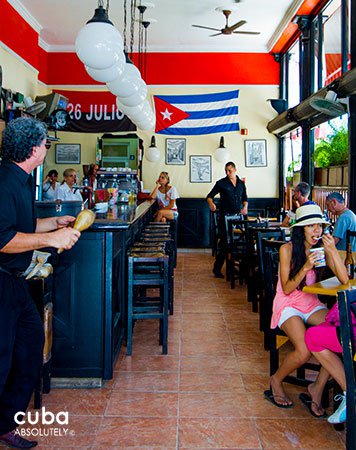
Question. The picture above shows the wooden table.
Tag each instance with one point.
(331, 286)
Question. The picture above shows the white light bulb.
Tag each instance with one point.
(99, 45)
(222, 154)
(152, 154)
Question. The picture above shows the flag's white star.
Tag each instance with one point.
(166, 114)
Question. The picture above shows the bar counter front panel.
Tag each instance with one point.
(90, 295)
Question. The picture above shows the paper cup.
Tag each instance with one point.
(321, 261)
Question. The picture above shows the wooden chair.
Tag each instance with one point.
(254, 259)
(347, 306)
(255, 286)
(237, 242)
(214, 231)
(277, 338)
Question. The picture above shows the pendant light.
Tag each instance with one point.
(99, 44)
(153, 154)
(222, 154)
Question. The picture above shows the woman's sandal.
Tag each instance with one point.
(274, 399)
(309, 403)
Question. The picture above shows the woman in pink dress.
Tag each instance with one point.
(293, 308)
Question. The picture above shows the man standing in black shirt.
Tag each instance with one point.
(233, 200)
(21, 329)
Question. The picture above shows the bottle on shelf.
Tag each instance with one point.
(281, 215)
(349, 262)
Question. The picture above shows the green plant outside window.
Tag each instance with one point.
(334, 150)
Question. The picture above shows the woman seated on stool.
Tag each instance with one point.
(323, 342)
(50, 186)
(166, 196)
(66, 191)
(292, 307)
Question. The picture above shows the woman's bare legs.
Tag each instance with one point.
(316, 389)
(333, 366)
(163, 214)
(295, 330)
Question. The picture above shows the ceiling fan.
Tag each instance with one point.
(228, 29)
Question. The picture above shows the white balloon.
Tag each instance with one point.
(137, 97)
(146, 123)
(146, 114)
(132, 71)
(99, 45)
(130, 111)
(124, 86)
(108, 74)
(145, 126)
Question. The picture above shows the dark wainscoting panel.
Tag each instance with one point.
(194, 219)
(193, 223)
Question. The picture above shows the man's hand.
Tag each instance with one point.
(244, 211)
(64, 221)
(64, 238)
(212, 205)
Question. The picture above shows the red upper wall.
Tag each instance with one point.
(178, 68)
(18, 35)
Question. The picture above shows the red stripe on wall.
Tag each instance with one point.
(18, 35)
(178, 68)
(43, 65)
(211, 68)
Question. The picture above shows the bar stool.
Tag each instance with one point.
(172, 226)
(170, 251)
(147, 269)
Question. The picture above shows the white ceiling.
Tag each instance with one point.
(60, 20)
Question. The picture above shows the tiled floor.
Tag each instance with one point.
(207, 393)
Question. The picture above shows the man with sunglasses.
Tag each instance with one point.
(21, 329)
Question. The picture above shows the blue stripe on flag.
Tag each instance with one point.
(197, 115)
(200, 130)
(200, 98)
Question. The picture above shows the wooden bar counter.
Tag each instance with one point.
(90, 298)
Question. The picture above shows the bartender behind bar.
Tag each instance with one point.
(21, 329)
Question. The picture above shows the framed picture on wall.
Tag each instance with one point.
(200, 169)
(67, 153)
(175, 151)
(256, 153)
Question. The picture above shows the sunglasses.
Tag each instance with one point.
(48, 145)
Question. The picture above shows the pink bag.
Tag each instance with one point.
(333, 316)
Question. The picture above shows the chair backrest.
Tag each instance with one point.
(347, 306)
(274, 235)
(270, 250)
(234, 223)
(257, 212)
(237, 229)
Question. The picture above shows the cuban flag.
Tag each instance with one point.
(197, 114)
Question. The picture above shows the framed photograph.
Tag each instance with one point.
(67, 153)
(200, 169)
(256, 153)
(175, 151)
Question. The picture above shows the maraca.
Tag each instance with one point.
(82, 222)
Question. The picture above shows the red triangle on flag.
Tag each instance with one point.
(167, 114)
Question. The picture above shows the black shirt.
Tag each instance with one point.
(231, 197)
(17, 197)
